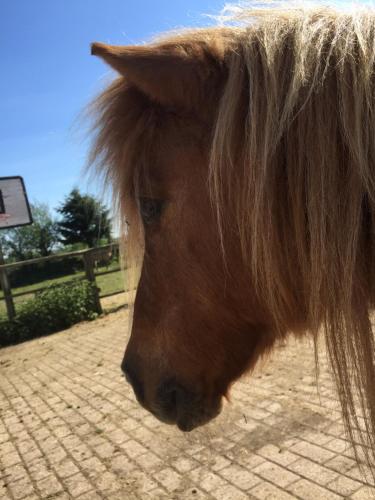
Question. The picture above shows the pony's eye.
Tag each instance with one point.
(150, 209)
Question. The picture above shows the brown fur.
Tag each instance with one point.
(260, 140)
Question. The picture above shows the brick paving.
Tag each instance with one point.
(71, 428)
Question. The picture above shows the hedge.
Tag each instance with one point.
(44, 270)
(55, 308)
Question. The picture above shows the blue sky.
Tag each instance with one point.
(48, 76)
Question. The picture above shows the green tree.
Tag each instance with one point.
(83, 220)
(36, 240)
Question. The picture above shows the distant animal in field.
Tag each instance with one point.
(243, 160)
(103, 257)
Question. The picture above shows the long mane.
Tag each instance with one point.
(305, 195)
(293, 151)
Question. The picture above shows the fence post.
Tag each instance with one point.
(5, 286)
(88, 261)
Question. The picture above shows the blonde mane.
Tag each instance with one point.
(293, 152)
(305, 198)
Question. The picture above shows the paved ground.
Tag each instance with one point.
(70, 428)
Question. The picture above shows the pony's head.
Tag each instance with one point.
(197, 323)
(242, 159)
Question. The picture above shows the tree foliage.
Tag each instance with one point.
(35, 240)
(83, 220)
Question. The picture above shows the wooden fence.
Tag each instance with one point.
(90, 259)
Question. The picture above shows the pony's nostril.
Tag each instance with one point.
(172, 398)
(167, 399)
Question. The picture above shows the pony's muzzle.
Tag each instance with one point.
(171, 402)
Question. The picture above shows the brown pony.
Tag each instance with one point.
(243, 159)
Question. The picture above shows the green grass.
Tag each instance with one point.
(108, 283)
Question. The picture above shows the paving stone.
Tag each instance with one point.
(66, 468)
(4, 437)
(49, 486)
(245, 458)
(106, 482)
(229, 492)
(184, 464)
(57, 454)
(14, 473)
(268, 491)
(118, 436)
(83, 430)
(121, 465)
(340, 464)
(195, 449)
(149, 461)
(90, 495)
(317, 473)
(61, 496)
(206, 479)
(21, 488)
(312, 451)
(192, 494)
(39, 470)
(278, 455)
(77, 485)
(10, 459)
(337, 445)
(142, 483)
(276, 474)
(317, 438)
(239, 477)
(311, 491)
(105, 450)
(62, 431)
(170, 479)
(133, 449)
(363, 475)
(344, 486)
(365, 493)
(26, 446)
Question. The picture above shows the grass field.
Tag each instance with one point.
(109, 283)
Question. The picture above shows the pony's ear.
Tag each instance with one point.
(170, 73)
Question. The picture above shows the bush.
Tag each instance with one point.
(52, 310)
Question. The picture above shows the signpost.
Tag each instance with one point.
(14, 211)
(14, 205)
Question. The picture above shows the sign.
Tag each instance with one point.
(14, 205)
